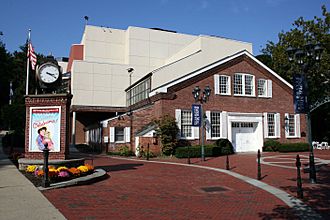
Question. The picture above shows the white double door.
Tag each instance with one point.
(245, 132)
(244, 136)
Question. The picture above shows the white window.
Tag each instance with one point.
(244, 84)
(222, 85)
(264, 88)
(215, 124)
(292, 126)
(186, 122)
(120, 134)
(272, 127)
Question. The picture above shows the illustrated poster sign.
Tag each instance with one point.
(45, 128)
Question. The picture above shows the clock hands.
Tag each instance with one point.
(51, 74)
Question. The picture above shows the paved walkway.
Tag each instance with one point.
(147, 190)
(19, 199)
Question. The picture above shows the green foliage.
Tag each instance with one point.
(271, 145)
(125, 151)
(225, 146)
(167, 131)
(195, 151)
(293, 147)
(318, 74)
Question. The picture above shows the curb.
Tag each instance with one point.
(99, 174)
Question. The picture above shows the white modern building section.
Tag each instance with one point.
(100, 77)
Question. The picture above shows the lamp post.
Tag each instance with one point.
(303, 57)
(202, 98)
(130, 72)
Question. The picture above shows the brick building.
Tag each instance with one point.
(248, 104)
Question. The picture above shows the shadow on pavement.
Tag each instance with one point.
(316, 195)
(280, 212)
(119, 167)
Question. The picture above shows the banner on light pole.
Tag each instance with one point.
(299, 94)
(196, 115)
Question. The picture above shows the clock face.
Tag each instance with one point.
(49, 73)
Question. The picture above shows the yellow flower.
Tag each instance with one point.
(83, 169)
(63, 168)
(31, 168)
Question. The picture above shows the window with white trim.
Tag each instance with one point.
(119, 134)
(224, 85)
(292, 125)
(215, 125)
(271, 124)
(264, 88)
(186, 122)
(272, 128)
(244, 84)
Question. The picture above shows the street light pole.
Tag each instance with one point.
(202, 98)
(310, 51)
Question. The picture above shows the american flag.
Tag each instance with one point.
(32, 56)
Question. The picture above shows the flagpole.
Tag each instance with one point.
(28, 65)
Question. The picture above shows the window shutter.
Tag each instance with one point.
(277, 125)
(216, 84)
(178, 120)
(127, 134)
(286, 115)
(265, 125)
(208, 125)
(223, 124)
(253, 85)
(269, 89)
(195, 132)
(297, 124)
(112, 134)
(229, 86)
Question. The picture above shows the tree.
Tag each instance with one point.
(168, 131)
(316, 30)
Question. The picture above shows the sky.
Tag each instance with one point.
(57, 24)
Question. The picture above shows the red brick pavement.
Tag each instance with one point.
(140, 190)
(315, 195)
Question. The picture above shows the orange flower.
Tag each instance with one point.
(74, 171)
(40, 173)
(89, 167)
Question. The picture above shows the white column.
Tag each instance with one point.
(73, 128)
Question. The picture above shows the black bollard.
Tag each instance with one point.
(188, 161)
(299, 184)
(148, 152)
(259, 167)
(227, 162)
(45, 182)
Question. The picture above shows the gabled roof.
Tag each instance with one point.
(163, 88)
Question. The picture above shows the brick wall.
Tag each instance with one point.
(62, 100)
(180, 97)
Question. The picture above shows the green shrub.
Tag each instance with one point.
(293, 147)
(225, 146)
(125, 151)
(195, 151)
(271, 145)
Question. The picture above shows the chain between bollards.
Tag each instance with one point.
(227, 163)
(299, 184)
(259, 167)
(45, 182)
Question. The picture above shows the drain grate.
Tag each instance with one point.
(214, 189)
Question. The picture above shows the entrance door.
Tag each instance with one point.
(244, 136)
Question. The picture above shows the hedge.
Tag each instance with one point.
(293, 147)
(195, 151)
(271, 145)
